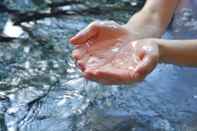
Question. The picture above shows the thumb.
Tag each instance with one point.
(146, 66)
(86, 34)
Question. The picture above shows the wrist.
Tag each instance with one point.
(162, 50)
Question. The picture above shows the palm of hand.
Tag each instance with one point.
(108, 56)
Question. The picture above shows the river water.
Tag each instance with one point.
(41, 89)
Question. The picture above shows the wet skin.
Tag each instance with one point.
(107, 52)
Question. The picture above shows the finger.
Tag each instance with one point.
(136, 45)
(146, 66)
(118, 76)
(95, 61)
(110, 76)
(82, 62)
(86, 34)
(91, 76)
(79, 52)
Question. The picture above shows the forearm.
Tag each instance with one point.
(180, 52)
(153, 19)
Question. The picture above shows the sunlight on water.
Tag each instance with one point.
(115, 49)
(11, 30)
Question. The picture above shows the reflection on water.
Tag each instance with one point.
(41, 89)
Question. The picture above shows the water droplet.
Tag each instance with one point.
(120, 40)
(136, 59)
(147, 48)
(89, 43)
(93, 61)
(121, 63)
(134, 44)
(115, 49)
(131, 68)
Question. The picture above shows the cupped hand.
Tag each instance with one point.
(104, 52)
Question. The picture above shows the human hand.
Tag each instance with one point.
(131, 64)
(104, 53)
(101, 39)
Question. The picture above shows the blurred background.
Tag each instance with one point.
(31, 10)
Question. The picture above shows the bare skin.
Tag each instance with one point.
(179, 52)
(107, 56)
(120, 54)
